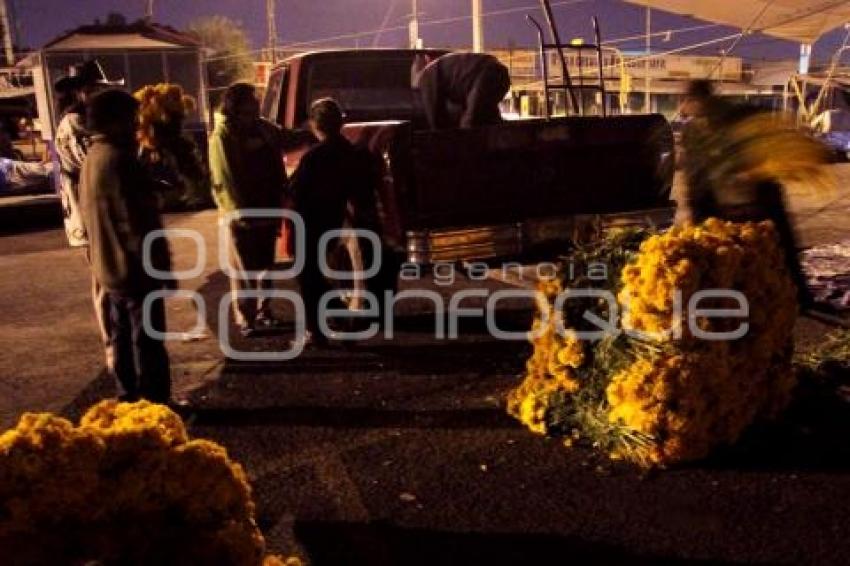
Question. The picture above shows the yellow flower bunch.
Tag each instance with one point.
(666, 395)
(695, 395)
(552, 366)
(126, 486)
(713, 255)
(162, 105)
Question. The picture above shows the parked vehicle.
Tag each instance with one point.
(495, 192)
(24, 177)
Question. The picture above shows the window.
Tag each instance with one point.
(145, 69)
(272, 108)
(368, 88)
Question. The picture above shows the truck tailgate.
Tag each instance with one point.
(535, 169)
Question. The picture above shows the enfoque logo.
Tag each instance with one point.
(449, 307)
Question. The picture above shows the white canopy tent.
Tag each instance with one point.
(801, 21)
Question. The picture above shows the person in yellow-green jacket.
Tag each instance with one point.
(247, 170)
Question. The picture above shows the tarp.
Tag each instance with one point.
(802, 21)
(828, 272)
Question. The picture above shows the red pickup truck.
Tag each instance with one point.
(494, 192)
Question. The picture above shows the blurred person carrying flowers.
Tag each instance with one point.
(737, 161)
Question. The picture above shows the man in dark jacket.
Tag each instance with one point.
(463, 90)
(119, 211)
(330, 176)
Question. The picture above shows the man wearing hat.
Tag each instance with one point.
(72, 141)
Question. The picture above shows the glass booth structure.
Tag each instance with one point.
(141, 54)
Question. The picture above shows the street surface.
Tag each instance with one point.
(399, 451)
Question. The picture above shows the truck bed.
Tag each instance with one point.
(520, 170)
(534, 169)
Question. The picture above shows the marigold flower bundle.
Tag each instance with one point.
(171, 157)
(667, 395)
(127, 486)
(163, 107)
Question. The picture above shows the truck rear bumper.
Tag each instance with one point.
(512, 240)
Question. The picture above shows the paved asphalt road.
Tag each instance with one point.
(399, 452)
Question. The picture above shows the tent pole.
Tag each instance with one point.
(805, 57)
(477, 27)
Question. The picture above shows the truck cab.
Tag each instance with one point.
(372, 85)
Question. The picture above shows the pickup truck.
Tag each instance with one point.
(496, 192)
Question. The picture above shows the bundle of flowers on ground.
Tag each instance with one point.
(126, 486)
(675, 381)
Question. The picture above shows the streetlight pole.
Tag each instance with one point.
(648, 97)
(414, 26)
(271, 12)
(6, 23)
(477, 27)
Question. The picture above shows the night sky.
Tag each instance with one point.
(306, 20)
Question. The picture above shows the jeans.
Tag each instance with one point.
(252, 248)
(141, 363)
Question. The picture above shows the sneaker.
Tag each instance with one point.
(309, 341)
(180, 406)
(267, 322)
(247, 331)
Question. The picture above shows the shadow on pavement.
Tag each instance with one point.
(811, 436)
(213, 289)
(383, 544)
(352, 418)
(21, 214)
(102, 387)
(440, 358)
(412, 316)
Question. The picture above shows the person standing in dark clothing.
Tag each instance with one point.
(330, 176)
(462, 90)
(119, 211)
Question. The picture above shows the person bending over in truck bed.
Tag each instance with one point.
(332, 175)
(461, 90)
